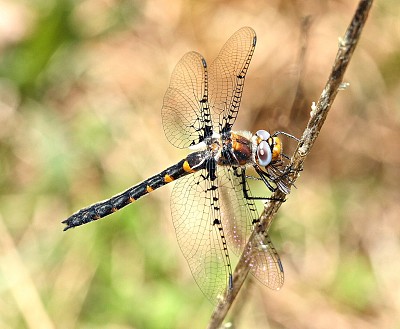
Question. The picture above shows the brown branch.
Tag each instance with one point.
(317, 117)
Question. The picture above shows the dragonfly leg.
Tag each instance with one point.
(266, 182)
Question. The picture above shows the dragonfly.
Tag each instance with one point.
(213, 209)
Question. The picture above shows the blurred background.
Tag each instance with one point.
(81, 88)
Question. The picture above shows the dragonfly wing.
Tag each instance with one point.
(226, 77)
(239, 217)
(185, 111)
(264, 262)
(236, 212)
(195, 213)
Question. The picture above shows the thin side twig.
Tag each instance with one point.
(347, 44)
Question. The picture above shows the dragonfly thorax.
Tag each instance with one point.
(242, 148)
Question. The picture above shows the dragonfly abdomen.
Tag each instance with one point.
(109, 206)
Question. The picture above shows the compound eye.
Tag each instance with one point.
(264, 135)
(264, 154)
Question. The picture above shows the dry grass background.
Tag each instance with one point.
(81, 88)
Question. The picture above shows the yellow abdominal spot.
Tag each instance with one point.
(168, 178)
(186, 167)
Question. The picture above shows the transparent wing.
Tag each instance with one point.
(195, 213)
(239, 216)
(236, 212)
(226, 77)
(265, 263)
(185, 112)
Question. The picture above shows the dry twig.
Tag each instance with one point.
(347, 44)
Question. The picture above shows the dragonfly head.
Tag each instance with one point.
(269, 148)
